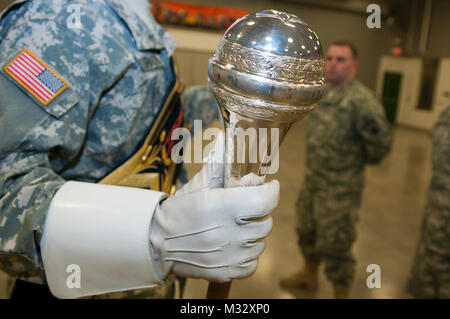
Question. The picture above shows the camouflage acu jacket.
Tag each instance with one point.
(436, 228)
(347, 130)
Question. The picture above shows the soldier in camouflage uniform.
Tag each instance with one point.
(430, 274)
(118, 67)
(347, 130)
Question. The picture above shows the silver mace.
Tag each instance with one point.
(268, 72)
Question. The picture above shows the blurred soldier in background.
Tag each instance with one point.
(89, 96)
(347, 130)
(430, 274)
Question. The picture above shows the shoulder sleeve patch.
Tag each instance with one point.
(35, 77)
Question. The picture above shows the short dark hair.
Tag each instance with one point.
(347, 44)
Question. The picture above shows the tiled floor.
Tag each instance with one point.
(388, 230)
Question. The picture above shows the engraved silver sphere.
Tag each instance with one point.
(269, 65)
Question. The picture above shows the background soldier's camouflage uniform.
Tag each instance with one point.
(430, 275)
(119, 75)
(347, 130)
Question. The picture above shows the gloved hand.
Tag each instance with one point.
(213, 233)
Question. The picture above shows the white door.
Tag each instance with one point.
(410, 112)
(410, 70)
(426, 118)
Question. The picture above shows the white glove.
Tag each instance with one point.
(213, 233)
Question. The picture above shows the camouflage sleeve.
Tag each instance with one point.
(200, 104)
(27, 185)
(27, 180)
(374, 130)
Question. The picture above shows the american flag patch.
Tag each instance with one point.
(35, 76)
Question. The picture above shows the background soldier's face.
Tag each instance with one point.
(340, 64)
